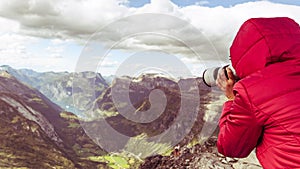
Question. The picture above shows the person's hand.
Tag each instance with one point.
(226, 85)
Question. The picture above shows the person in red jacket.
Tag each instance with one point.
(263, 107)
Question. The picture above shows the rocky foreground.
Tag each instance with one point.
(199, 156)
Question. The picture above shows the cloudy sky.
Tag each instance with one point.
(52, 35)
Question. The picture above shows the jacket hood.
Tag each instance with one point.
(264, 41)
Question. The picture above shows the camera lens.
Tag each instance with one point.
(210, 76)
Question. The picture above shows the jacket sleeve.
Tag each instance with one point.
(239, 130)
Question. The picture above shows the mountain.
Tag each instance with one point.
(36, 133)
(197, 149)
(138, 93)
(58, 86)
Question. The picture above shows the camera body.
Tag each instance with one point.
(210, 75)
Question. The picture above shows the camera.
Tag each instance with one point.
(210, 75)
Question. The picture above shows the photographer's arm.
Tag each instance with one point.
(239, 129)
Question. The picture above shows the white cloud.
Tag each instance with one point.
(109, 63)
(68, 20)
(13, 45)
(160, 6)
(56, 51)
(220, 24)
(201, 3)
(21, 51)
(8, 25)
(57, 41)
(62, 19)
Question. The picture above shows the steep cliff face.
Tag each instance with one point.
(36, 133)
(25, 144)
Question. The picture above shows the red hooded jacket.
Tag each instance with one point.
(266, 110)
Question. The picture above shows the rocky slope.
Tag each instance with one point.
(36, 133)
(200, 156)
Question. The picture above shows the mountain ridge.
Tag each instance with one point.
(36, 132)
(58, 86)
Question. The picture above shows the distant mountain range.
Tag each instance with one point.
(57, 86)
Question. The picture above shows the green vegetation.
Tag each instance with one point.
(37, 99)
(104, 113)
(142, 148)
(26, 148)
(136, 149)
(193, 142)
(71, 119)
(68, 116)
(15, 119)
(113, 161)
(74, 125)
